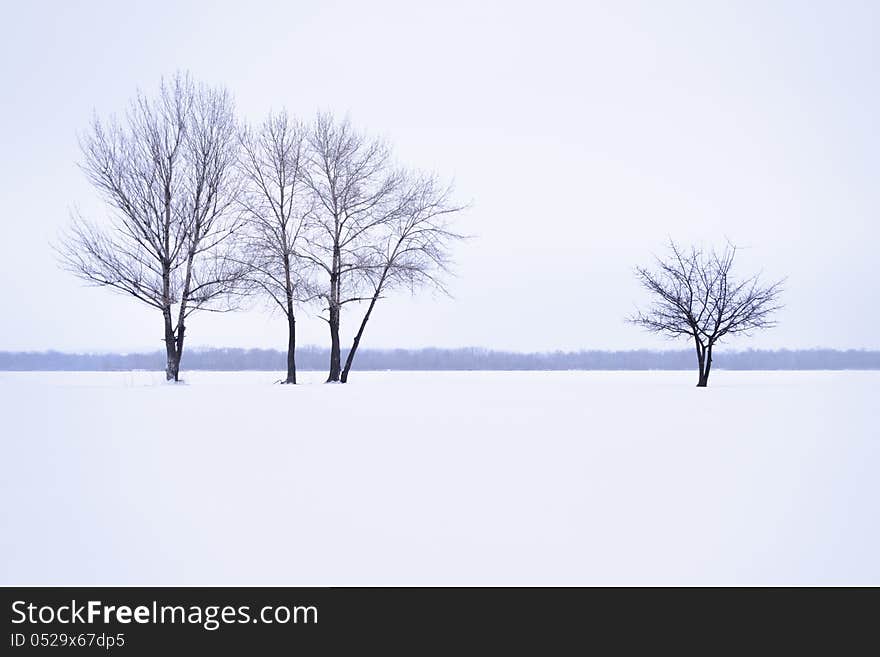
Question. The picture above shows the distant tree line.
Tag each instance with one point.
(315, 359)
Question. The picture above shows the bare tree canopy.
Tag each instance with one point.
(167, 171)
(412, 247)
(276, 203)
(356, 190)
(203, 211)
(695, 295)
(329, 216)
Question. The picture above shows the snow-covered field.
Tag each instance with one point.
(441, 478)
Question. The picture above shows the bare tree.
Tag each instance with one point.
(272, 162)
(356, 189)
(167, 171)
(412, 249)
(695, 295)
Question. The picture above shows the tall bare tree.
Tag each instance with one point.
(167, 171)
(411, 250)
(276, 206)
(696, 296)
(356, 190)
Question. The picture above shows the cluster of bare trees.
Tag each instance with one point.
(207, 211)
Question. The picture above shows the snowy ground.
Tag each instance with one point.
(441, 478)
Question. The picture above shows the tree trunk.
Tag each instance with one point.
(701, 363)
(172, 362)
(335, 308)
(291, 315)
(357, 339)
(291, 349)
(181, 312)
(179, 345)
(334, 344)
(704, 381)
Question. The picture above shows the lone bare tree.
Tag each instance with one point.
(356, 189)
(412, 249)
(167, 171)
(695, 295)
(272, 162)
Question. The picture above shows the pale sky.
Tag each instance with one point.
(584, 134)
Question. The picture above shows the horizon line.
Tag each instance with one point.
(314, 347)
